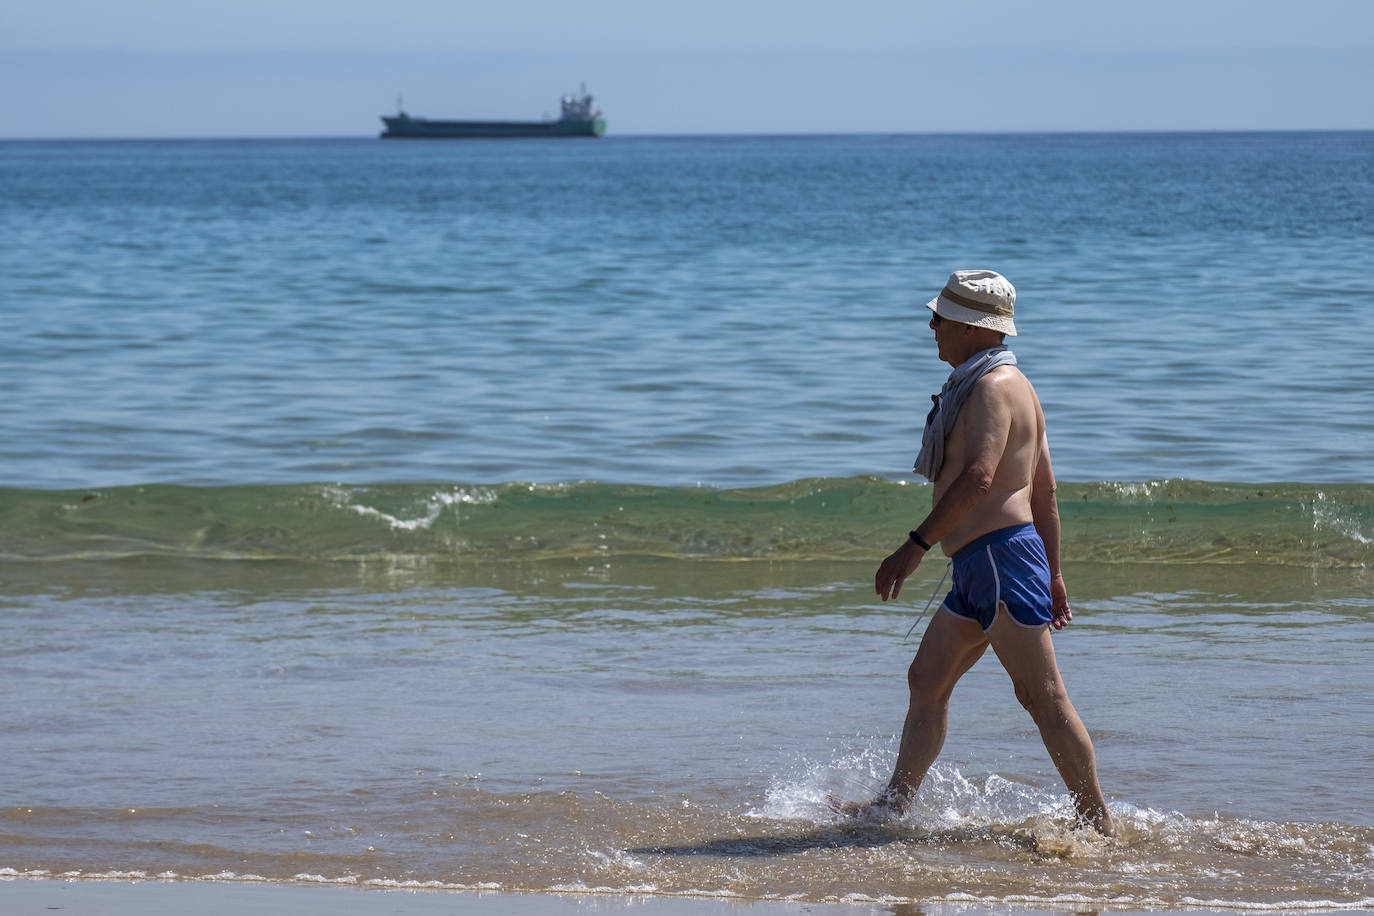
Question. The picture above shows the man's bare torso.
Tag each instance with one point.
(1003, 398)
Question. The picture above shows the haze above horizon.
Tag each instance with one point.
(156, 68)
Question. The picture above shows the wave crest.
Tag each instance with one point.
(1175, 521)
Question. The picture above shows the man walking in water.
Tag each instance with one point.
(994, 513)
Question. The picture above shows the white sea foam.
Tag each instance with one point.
(1282, 906)
(616, 857)
(948, 797)
(322, 879)
(434, 506)
(408, 884)
(1326, 516)
(582, 888)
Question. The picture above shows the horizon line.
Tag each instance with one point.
(168, 138)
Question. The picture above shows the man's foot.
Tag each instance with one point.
(1103, 825)
(843, 807)
(887, 804)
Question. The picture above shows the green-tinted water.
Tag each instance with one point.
(1172, 521)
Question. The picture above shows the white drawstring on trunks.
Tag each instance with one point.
(931, 601)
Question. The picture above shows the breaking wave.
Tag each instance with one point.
(1175, 521)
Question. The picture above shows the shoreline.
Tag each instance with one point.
(123, 896)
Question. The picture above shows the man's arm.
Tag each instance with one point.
(986, 425)
(1045, 513)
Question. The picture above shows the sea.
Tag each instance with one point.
(502, 515)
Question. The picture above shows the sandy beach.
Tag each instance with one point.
(29, 897)
(23, 896)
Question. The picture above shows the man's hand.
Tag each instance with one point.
(1060, 615)
(901, 563)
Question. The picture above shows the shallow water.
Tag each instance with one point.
(672, 726)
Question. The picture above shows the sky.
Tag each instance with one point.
(272, 68)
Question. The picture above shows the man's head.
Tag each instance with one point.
(971, 314)
(980, 298)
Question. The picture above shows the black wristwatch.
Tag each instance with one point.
(920, 541)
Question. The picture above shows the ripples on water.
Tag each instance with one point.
(729, 311)
(591, 703)
(645, 727)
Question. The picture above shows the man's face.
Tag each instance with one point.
(941, 328)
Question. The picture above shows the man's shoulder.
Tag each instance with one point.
(1004, 372)
(1004, 381)
(1004, 391)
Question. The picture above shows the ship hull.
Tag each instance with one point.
(408, 128)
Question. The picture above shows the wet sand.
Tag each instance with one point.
(32, 897)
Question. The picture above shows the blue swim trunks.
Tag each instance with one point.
(1007, 565)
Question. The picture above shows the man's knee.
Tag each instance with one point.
(1024, 696)
(1045, 701)
(925, 688)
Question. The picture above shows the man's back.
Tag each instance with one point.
(1000, 428)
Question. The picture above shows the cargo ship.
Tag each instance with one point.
(577, 120)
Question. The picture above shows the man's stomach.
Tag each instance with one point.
(989, 514)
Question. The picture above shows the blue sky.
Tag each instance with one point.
(159, 68)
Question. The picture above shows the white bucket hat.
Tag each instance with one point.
(982, 298)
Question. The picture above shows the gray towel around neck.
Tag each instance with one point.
(941, 418)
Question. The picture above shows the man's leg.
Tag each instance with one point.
(1027, 654)
(948, 648)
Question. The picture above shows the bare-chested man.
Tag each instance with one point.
(994, 513)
